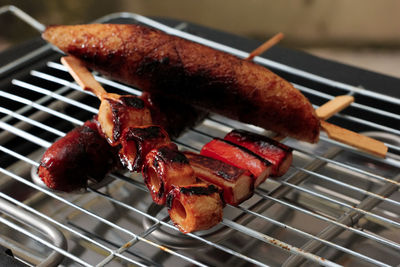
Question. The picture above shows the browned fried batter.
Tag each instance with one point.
(210, 79)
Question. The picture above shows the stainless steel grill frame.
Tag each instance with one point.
(311, 190)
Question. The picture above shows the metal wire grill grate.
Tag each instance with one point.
(335, 206)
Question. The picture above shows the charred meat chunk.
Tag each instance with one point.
(137, 142)
(117, 113)
(195, 207)
(164, 167)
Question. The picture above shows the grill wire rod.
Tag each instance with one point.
(358, 207)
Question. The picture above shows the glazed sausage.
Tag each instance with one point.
(80, 155)
(212, 80)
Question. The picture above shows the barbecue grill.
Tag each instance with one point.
(335, 206)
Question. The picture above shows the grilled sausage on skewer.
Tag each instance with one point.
(237, 184)
(163, 167)
(213, 80)
(195, 207)
(81, 154)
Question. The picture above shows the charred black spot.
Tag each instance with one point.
(144, 134)
(225, 175)
(153, 131)
(155, 163)
(111, 55)
(172, 155)
(86, 129)
(116, 120)
(169, 200)
(180, 158)
(161, 190)
(133, 102)
(147, 66)
(262, 140)
(199, 190)
(219, 168)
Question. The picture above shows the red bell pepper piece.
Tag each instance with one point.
(238, 156)
(278, 154)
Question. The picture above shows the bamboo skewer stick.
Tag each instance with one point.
(265, 46)
(334, 106)
(354, 139)
(83, 76)
(345, 136)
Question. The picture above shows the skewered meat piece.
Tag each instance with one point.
(195, 207)
(117, 113)
(278, 154)
(177, 68)
(137, 142)
(80, 155)
(238, 156)
(163, 167)
(237, 184)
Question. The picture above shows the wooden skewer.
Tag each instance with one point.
(345, 136)
(83, 76)
(265, 46)
(334, 106)
(359, 141)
